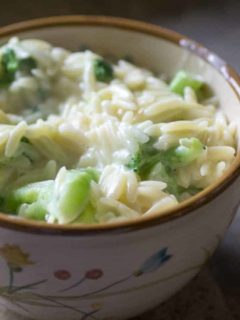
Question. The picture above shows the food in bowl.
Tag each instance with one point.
(87, 141)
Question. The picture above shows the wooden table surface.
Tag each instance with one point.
(217, 26)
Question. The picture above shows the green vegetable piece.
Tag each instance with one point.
(28, 194)
(145, 158)
(27, 64)
(188, 151)
(182, 80)
(73, 197)
(34, 211)
(10, 61)
(142, 162)
(103, 70)
(87, 216)
(9, 66)
(150, 163)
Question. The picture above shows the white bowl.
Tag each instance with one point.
(120, 270)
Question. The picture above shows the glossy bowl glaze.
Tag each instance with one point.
(119, 270)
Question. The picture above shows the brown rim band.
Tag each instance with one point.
(182, 209)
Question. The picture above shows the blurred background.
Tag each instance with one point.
(214, 23)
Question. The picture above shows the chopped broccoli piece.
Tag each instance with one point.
(187, 151)
(145, 158)
(11, 64)
(27, 64)
(10, 61)
(182, 80)
(150, 163)
(103, 70)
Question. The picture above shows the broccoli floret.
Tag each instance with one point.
(103, 70)
(152, 164)
(10, 64)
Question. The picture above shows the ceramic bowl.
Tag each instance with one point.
(120, 270)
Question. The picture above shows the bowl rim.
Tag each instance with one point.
(184, 208)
